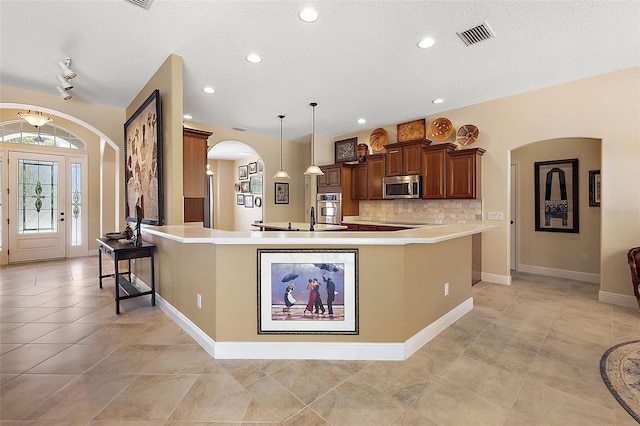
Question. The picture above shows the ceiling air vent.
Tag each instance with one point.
(142, 3)
(476, 34)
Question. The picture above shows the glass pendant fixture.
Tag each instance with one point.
(313, 170)
(281, 174)
(36, 118)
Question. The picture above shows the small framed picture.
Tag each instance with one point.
(240, 199)
(260, 166)
(245, 187)
(243, 172)
(345, 150)
(253, 168)
(257, 201)
(594, 188)
(255, 184)
(281, 193)
(248, 201)
(556, 196)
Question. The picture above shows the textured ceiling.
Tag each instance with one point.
(358, 60)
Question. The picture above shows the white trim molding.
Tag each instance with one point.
(315, 350)
(561, 273)
(617, 299)
(495, 278)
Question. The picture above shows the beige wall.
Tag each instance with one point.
(604, 107)
(558, 250)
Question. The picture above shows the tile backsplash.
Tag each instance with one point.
(429, 211)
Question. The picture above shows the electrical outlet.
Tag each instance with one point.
(584, 257)
(495, 215)
(199, 301)
(446, 289)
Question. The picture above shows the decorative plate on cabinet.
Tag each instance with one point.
(467, 134)
(440, 129)
(378, 139)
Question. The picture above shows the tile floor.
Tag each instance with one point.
(528, 354)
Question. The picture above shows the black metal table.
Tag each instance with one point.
(126, 251)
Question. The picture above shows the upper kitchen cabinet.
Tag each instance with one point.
(375, 175)
(404, 158)
(434, 170)
(359, 184)
(194, 168)
(338, 178)
(464, 170)
(331, 180)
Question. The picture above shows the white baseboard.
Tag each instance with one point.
(617, 299)
(315, 350)
(560, 273)
(495, 278)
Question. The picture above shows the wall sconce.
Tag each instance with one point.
(281, 174)
(313, 170)
(36, 118)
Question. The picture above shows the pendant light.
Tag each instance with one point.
(36, 118)
(281, 174)
(313, 170)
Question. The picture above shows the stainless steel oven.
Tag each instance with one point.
(329, 208)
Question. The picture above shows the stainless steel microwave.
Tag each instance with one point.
(401, 187)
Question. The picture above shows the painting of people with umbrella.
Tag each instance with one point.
(308, 290)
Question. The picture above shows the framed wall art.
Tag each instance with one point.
(412, 130)
(244, 187)
(255, 184)
(253, 168)
(143, 162)
(307, 291)
(243, 172)
(345, 150)
(556, 196)
(248, 201)
(260, 166)
(281, 193)
(240, 199)
(594, 188)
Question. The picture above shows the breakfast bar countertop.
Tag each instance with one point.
(299, 226)
(425, 234)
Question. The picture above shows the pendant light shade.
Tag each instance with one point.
(35, 118)
(313, 170)
(281, 174)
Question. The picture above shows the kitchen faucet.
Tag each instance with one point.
(312, 219)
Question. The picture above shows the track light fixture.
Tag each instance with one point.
(66, 71)
(64, 94)
(64, 83)
(35, 118)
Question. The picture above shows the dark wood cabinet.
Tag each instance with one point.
(359, 184)
(404, 158)
(434, 170)
(194, 173)
(332, 178)
(375, 175)
(464, 169)
(337, 178)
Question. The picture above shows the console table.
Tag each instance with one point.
(126, 251)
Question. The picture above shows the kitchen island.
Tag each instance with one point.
(297, 226)
(402, 280)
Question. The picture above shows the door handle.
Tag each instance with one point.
(62, 217)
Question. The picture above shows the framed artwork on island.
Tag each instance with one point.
(243, 172)
(248, 201)
(255, 184)
(143, 163)
(308, 291)
(556, 196)
(594, 188)
(240, 199)
(253, 168)
(281, 193)
(345, 150)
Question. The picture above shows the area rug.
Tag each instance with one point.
(620, 370)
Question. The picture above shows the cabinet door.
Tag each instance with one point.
(434, 176)
(334, 176)
(359, 182)
(375, 175)
(194, 164)
(394, 162)
(411, 159)
(464, 169)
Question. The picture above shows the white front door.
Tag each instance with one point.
(37, 228)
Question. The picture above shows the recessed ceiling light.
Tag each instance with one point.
(361, 121)
(425, 43)
(246, 153)
(437, 101)
(209, 90)
(308, 15)
(187, 117)
(254, 59)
